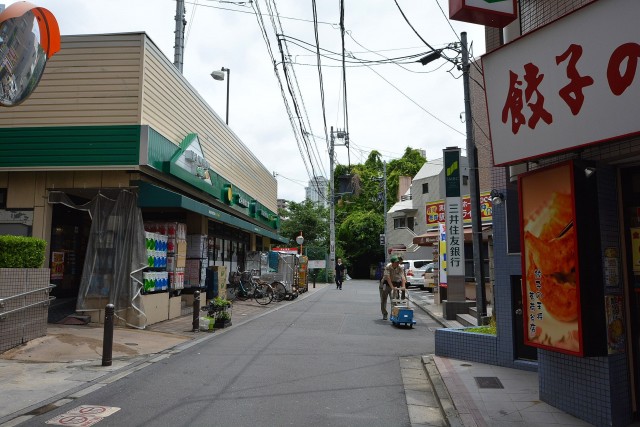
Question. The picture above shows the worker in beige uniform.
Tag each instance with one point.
(396, 292)
(392, 278)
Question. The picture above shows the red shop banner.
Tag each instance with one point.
(435, 210)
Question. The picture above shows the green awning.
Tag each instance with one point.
(151, 196)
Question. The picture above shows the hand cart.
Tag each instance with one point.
(401, 313)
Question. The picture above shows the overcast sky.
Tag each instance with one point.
(389, 106)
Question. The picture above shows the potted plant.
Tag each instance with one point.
(220, 304)
(223, 319)
(220, 309)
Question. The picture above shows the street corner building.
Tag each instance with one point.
(562, 94)
(140, 189)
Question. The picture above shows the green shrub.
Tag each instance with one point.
(489, 329)
(223, 315)
(21, 252)
(220, 303)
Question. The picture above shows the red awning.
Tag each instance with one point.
(427, 239)
(431, 237)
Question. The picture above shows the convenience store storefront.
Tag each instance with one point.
(133, 134)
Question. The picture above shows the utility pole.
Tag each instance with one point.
(384, 194)
(474, 190)
(332, 208)
(178, 48)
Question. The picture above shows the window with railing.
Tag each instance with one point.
(404, 222)
(399, 223)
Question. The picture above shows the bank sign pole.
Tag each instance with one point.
(455, 303)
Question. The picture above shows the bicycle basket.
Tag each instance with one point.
(246, 276)
(234, 278)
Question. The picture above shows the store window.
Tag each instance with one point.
(3, 198)
(230, 246)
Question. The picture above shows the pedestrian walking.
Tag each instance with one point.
(339, 273)
(392, 278)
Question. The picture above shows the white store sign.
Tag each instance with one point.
(572, 83)
(455, 236)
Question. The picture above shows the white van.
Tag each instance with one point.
(414, 269)
(429, 279)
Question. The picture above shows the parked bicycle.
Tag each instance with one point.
(248, 285)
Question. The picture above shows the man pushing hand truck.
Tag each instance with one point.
(393, 280)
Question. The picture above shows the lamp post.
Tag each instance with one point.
(300, 241)
(219, 75)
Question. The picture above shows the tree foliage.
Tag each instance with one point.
(358, 236)
(359, 214)
(306, 217)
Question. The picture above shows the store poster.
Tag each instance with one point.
(615, 324)
(612, 269)
(550, 261)
(635, 248)
(57, 265)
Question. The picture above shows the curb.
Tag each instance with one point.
(448, 408)
(443, 322)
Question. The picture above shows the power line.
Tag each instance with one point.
(314, 48)
(418, 105)
(263, 31)
(292, 84)
(252, 13)
(312, 153)
(389, 59)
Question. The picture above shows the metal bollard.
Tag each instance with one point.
(107, 339)
(196, 311)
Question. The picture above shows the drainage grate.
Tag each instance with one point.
(488, 382)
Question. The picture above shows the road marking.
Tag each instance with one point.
(83, 416)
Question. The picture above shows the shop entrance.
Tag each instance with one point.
(69, 236)
(521, 350)
(630, 183)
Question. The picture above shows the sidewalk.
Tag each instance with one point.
(473, 394)
(66, 364)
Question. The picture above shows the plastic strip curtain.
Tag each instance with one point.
(115, 256)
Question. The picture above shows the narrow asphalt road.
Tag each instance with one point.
(327, 360)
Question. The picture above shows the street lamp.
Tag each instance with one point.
(219, 75)
(300, 241)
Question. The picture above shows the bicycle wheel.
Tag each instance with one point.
(241, 294)
(279, 291)
(263, 293)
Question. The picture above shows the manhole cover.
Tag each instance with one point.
(488, 382)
